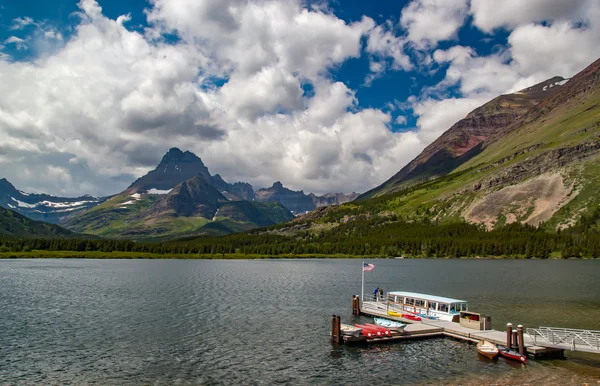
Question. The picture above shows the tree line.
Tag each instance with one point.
(363, 236)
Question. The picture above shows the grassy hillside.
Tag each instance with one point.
(127, 216)
(13, 224)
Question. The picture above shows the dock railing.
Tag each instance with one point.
(572, 339)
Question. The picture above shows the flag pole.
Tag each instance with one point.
(362, 295)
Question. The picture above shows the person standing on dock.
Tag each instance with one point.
(380, 293)
(375, 293)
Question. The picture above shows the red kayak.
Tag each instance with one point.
(411, 317)
(512, 354)
(369, 331)
(383, 330)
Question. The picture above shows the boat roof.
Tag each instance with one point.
(434, 298)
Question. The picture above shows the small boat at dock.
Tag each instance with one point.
(512, 354)
(391, 324)
(369, 331)
(487, 349)
(384, 330)
(348, 329)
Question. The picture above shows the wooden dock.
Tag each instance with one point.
(437, 328)
(411, 331)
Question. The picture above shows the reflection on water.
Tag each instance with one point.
(265, 322)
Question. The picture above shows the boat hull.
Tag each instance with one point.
(384, 330)
(391, 324)
(369, 331)
(488, 349)
(514, 355)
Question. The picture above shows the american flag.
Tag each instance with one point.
(368, 267)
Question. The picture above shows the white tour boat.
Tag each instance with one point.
(425, 306)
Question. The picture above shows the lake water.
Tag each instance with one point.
(268, 321)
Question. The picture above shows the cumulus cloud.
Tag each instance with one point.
(431, 21)
(106, 105)
(488, 15)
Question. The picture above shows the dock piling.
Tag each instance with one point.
(508, 335)
(514, 339)
(355, 305)
(336, 329)
(333, 327)
(520, 337)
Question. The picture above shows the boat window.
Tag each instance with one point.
(464, 307)
(410, 301)
(420, 303)
(432, 306)
(452, 308)
(443, 307)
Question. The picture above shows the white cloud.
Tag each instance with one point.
(431, 21)
(383, 43)
(488, 15)
(20, 44)
(400, 120)
(21, 22)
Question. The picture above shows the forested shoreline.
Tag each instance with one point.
(377, 236)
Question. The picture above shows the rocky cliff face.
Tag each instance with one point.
(237, 191)
(194, 197)
(174, 168)
(464, 140)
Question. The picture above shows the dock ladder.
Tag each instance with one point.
(566, 338)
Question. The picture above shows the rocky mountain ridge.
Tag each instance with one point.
(43, 207)
(465, 139)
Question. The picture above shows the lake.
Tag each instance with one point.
(268, 321)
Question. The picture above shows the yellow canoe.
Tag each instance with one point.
(394, 313)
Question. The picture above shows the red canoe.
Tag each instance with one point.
(383, 330)
(512, 354)
(369, 331)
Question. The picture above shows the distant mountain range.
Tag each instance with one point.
(178, 198)
(43, 207)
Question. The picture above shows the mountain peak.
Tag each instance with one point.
(5, 185)
(175, 167)
(176, 155)
(277, 185)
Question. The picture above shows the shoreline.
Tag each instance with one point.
(42, 254)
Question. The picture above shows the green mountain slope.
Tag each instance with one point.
(184, 211)
(542, 169)
(466, 138)
(13, 224)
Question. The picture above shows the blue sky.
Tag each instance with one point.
(322, 95)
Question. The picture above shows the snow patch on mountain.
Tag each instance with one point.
(22, 204)
(158, 191)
